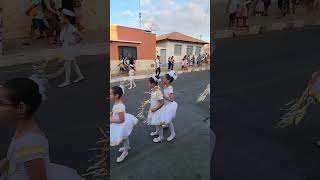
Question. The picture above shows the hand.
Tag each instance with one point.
(153, 110)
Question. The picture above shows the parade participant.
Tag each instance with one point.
(170, 106)
(28, 152)
(155, 115)
(132, 77)
(121, 123)
(70, 38)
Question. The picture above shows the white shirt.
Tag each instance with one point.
(29, 147)
(157, 63)
(166, 92)
(131, 73)
(118, 108)
(67, 35)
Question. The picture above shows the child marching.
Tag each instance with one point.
(70, 37)
(132, 77)
(156, 112)
(121, 123)
(28, 153)
(170, 106)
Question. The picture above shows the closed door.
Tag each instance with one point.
(163, 56)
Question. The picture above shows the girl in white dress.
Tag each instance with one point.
(70, 37)
(132, 77)
(28, 154)
(156, 114)
(170, 106)
(121, 123)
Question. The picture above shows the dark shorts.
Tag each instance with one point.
(38, 24)
(232, 15)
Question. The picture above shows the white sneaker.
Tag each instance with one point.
(171, 137)
(79, 79)
(158, 139)
(122, 148)
(64, 84)
(122, 157)
(154, 133)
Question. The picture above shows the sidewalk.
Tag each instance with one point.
(15, 53)
(260, 24)
(147, 74)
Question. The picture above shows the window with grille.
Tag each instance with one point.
(177, 50)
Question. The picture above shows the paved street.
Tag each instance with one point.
(70, 115)
(187, 157)
(253, 78)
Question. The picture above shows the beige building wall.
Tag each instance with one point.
(169, 46)
(17, 24)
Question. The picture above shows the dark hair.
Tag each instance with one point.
(24, 90)
(152, 81)
(117, 90)
(169, 77)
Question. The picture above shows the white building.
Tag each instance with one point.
(178, 45)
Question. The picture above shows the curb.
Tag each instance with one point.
(256, 29)
(118, 79)
(49, 54)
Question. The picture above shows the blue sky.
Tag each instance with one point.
(191, 17)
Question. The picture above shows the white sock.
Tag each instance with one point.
(67, 68)
(160, 131)
(126, 145)
(77, 69)
(171, 128)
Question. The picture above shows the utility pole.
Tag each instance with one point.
(140, 13)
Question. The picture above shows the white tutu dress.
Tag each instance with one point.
(170, 108)
(120, 132)
(34, 146)
(156, 118)
(69, 48)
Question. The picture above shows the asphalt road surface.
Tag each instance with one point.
(70, 115)
(187, 157)
(253, 78)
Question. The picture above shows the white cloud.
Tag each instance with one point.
(128, 13)
(191, 17)
(145, 2)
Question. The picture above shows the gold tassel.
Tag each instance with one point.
(141, 110)
(297, 109)
(204, 94)
(99, 167)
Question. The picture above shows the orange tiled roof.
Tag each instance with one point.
(176, 36)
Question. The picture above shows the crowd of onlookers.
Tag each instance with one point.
(239, 11)
(47, 18)
(192, 61)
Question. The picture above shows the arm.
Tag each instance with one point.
(170, 97)
(29, 9)
(48, 5)
(4, 165)
(36, 169)
(161, 103)
(118, 120)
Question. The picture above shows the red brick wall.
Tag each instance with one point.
(145, 51)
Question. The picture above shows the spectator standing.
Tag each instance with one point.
(37, 14)
(52, 17)
(232, 9)
(157, 66)
(169, 63)
(78, 12)
(259, 8)
(172, 63)
(266, 6)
